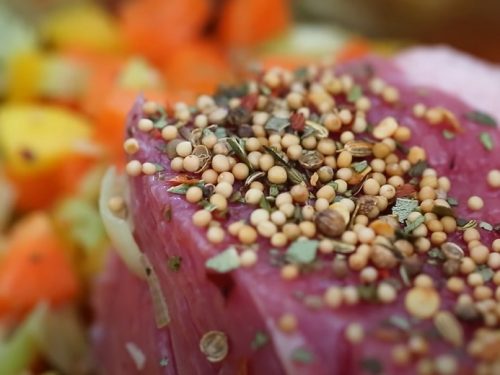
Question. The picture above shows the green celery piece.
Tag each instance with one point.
(19, 351)
(82, 222)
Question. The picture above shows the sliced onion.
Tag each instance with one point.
(119, 230)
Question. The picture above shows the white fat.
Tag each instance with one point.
(137, 355)
(119, 229)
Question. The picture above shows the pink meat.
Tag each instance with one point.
(248, 301)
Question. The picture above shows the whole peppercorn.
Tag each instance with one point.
(330, 223)
(412, 265)
(383, 258)
(451, 267)
(340, 267)
(239, 116)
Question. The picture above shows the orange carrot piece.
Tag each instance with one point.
(197, 67)
(244, 23)
(111, 117)
(353, 49)
(155, 28)
(35, 268)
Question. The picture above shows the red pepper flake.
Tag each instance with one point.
(406, 190)
(298, 122)
(249, 101)
(384, 274)
(156, 134)
(183, 179)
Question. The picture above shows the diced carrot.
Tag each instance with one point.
(290, 62)
(198, 67)
(111, 118)
(41, 190)
(35, 268)
(155, 28)
(354, 49)
(246, 23)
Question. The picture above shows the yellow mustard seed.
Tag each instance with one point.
(202, 218)
(131, 146)
(133, 168)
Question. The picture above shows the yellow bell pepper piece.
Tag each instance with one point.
(83, 25)
(34, 138)
(24, 71)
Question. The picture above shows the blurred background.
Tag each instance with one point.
(70, 71)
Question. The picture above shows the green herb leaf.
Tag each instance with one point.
(277, 124)
(418, 169)
(264, 203)
(164, 362)
(224, 262)
(360, 166)
(220, 132)
(448, 134)
(174, 263)
(302, 355)
(334, 185)
(260, 340)
(436, 254)
(302, 251)
(403, 272)
(371, 365)
(410, 227)
(237, 147)
(481, 118)
(301, 74)
(354, 94)
(368, 292)
(442, 211)
(273, 190)
(183, 188)
(404, 207)
(293, 174)
(486, 140)
(486, 272)
(400, 322)
(207, 205)
(452, 201)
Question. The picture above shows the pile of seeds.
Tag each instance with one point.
(297, 148)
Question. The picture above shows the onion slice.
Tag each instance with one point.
(119, 229)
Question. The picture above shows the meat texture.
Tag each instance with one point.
(249, 301)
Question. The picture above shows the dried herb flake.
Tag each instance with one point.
(418, 169)
(260, 340)
(224, 262)
(448, 134)
(183, 188)
(354, 94)
(277, 124)
(404, 207)
(410, 227)
(302, 355)
(302, 251)
(371, 365)
(481, 118)
(360, 166)
(486, 272)
(174, 263)
(486, 140)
